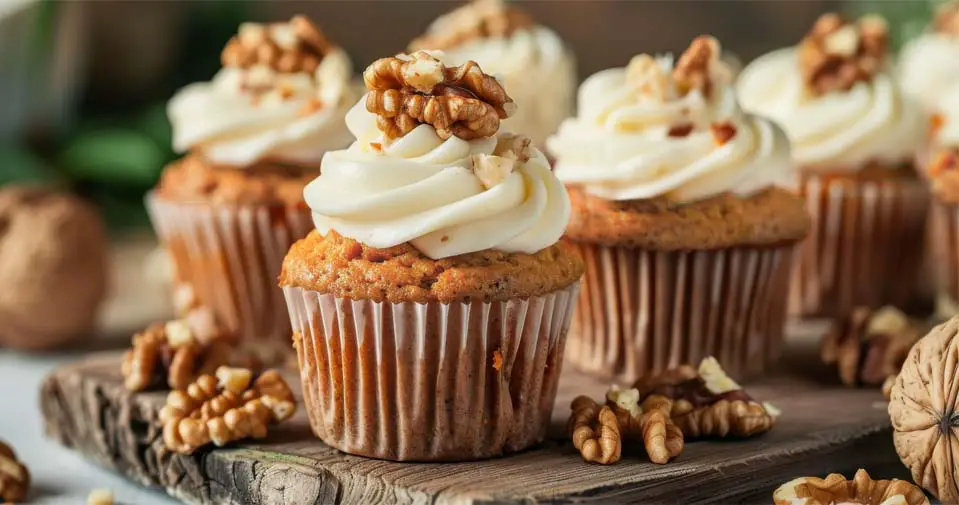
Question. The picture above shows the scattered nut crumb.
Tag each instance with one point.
(101, 496)
(498, 360)
(722, 132)
(682, 130)
(14, 476)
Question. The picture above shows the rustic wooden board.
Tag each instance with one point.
(821, 430)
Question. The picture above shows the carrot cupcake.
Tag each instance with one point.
(254, 136)
(854, 135)
(683, 212)
(430, 306)
(532, 61)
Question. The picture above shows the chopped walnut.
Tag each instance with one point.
(869, 346)
(835, 489)
(100, 496)
(835, 54)
(698, 67)
(648, 77)
(14, 476)
(173, 354)
(296, 46)
(406, 91)
(494, 168)
(722, 132)
(480, 19)
(217, 411)
(595, 431)
(936, 122)
(707, 403)
(946, 20)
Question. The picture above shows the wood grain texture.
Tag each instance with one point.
(822, 430)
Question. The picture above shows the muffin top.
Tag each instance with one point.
(193, 179)
(836, 98)
(929, 63)
(429, 167)
(656, 129)
(530, 58)
(281, 95)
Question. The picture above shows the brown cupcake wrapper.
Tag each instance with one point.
(944, 241)
(644, 311)
(865, 245)
(430, 381)
(231, 256)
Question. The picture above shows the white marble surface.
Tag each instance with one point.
(62, 477)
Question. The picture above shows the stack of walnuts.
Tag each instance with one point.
(662, 410)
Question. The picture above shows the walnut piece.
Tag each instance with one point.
(173, 353)
(14, 476)
(494, 168)
(480, 19)
(707, 403)
(595, 431)
(409, 90)
(209, 411)
(100, 496)
(836, 54)
(698, 67)
(722, 132)
(869, 346)
(922, 408)
(295, 46)
(835, 489)
(648, 77)
(648, 423)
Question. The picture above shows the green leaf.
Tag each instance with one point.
(115, 156)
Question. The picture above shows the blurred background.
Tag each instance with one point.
(84, 83)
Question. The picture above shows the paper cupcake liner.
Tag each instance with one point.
(865, 246)
(944, 239)
(644, 311)
(231, 257)
(429, 382)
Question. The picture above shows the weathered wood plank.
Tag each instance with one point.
(822, 430)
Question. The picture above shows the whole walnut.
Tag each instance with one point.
(925, 413)
(53, 267)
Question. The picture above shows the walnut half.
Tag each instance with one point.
(835, 489)
(14, 476)
(836, 54)
(408, 90)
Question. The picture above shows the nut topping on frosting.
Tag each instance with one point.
(649, 77)
(409, 90)
(494, 168)
(480, 19)
(695, 68)
(946, 20)
(296, 46)
(836, 54)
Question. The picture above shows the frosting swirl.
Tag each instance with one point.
(423, 190)
(928, 66)
(644, 139)
(247, 114)
(841, 130)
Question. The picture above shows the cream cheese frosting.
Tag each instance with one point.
(627, 144)
(873, 121)
(531, 61)
(244, 115)
(424, 190)
(947, 109)
(928, 66)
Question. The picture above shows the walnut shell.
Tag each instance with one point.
(53, 267)
(923, 410)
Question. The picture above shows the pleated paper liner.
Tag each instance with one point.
(944, 237)
(231, 256)
(865, 246)
(643, 311)
(430, 382)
